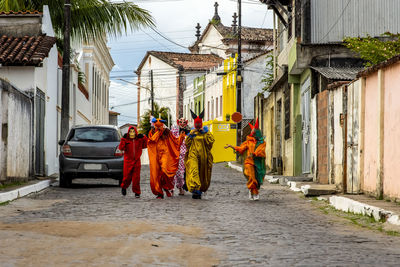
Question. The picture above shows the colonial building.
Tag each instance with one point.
(31, 67)
(308, 55)
(222, 40)
(167, 74)
(28, 116)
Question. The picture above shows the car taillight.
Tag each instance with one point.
(118, 153)
(66, 150)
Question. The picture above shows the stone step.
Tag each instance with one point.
(283, 180)
(318, 190)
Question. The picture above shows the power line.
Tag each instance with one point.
(166, 38)
(336, 22)
(155, 39)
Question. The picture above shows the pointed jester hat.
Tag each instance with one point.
(254, 128)
(198, 120)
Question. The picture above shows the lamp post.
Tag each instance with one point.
(239, 74)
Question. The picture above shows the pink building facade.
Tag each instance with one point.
(380, 156)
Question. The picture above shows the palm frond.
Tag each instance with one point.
(90, 19)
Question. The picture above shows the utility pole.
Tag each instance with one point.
(66, 71)
(151, 92)
(239, 75)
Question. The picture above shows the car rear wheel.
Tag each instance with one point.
(65, 180)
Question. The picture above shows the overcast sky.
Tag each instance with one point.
(176, 19)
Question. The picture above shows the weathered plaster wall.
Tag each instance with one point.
(314, 138)
(22, 77)
(16, 134)
(391, 185)
(336, 168)
(371, 133)
(268, 129)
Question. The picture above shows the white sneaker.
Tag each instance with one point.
(256, 197)
(250, 195)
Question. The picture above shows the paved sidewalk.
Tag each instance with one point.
(13, 192)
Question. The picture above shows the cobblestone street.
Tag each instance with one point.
(93, 224)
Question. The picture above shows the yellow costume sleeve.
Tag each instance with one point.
(209, 140)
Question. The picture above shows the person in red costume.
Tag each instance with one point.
(163, 148)
(132, 144)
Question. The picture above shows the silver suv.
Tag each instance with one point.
(90, 151)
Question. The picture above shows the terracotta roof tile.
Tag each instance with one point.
(188, 61)
(20, 13)
(27, 50)
(248, 34)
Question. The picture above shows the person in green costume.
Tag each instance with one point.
(254, 164)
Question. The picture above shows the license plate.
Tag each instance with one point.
(92, 167)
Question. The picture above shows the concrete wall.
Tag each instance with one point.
(314, 138)
(19, 26)
(47, 75)
(22, 77)
(391, 155)
(15, 134)
(336, 137)
(371, 131)
(322, 141)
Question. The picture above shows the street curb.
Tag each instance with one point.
(23, 191)
(350, 205)
(235, 167)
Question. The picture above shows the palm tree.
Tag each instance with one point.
(145, 125)
(90, 19)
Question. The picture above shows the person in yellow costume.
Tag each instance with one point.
(254, 164)
(198, 160)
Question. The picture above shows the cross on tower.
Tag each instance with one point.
(216, 16)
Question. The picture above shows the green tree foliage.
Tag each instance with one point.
(145, 125)
(268, 77)
(375, 50)
(90, 19)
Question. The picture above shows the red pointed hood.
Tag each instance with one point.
(134, 128)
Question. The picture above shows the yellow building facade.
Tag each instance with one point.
(225, 131)
(229, 86)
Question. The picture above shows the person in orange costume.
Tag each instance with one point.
(163, 148)
(254, 164)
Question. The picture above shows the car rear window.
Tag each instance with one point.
(94, 135)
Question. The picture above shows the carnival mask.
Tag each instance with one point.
(198, 120)
(182, 123)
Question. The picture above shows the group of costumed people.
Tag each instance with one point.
(181, 157)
